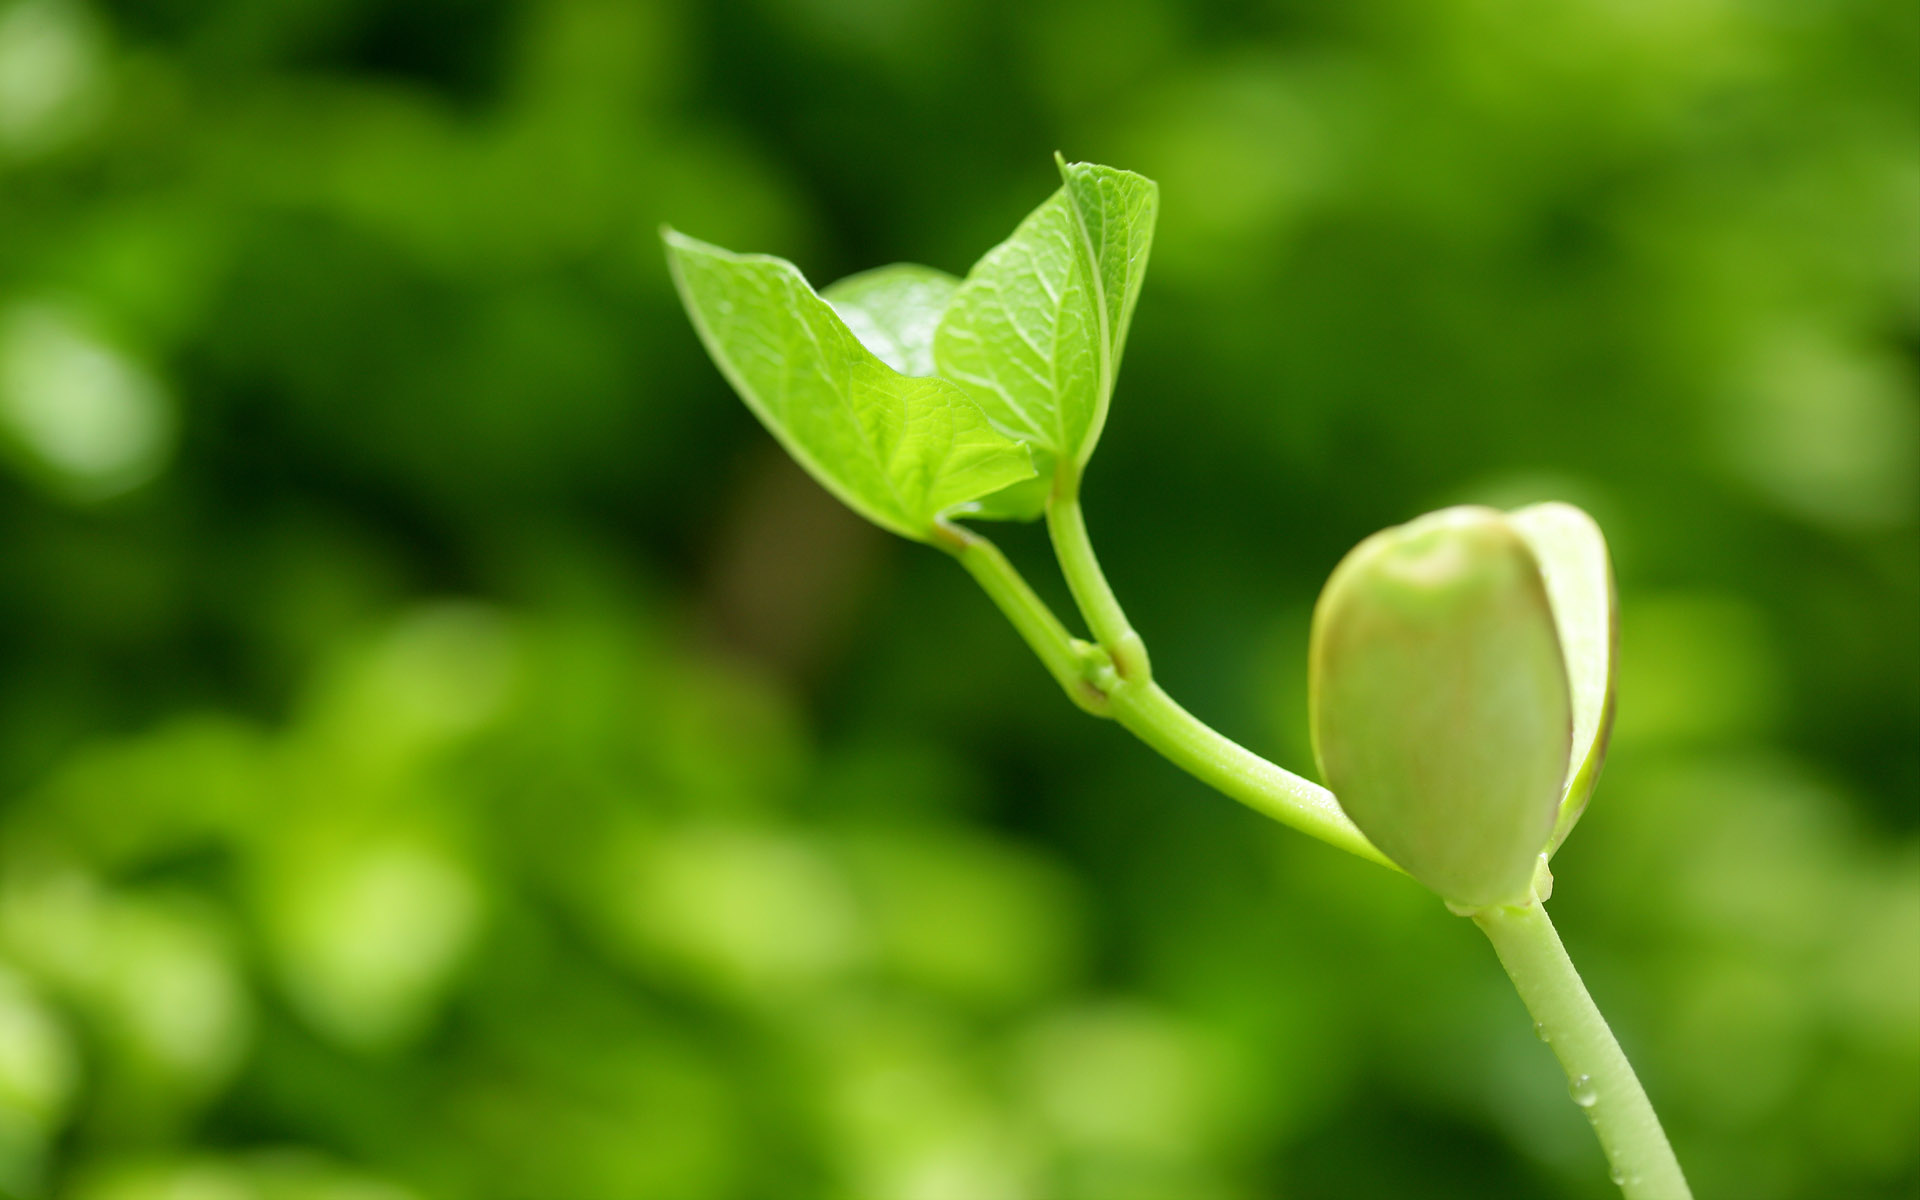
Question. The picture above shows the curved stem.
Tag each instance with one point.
(1115, 680)
(1089, 586)
(1069, 660)
(1598, 1074)
(1091, 680)
(1183, 739)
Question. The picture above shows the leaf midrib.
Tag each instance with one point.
(1105, 387)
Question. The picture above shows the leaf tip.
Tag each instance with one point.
(683, 243)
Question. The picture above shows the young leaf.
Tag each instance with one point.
(1023, 501)
(893, 311)
(899, 451)
(1117, 211)
(1036, 331)
(1572, 554)
(1439, 702)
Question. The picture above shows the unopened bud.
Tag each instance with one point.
(1442, 715)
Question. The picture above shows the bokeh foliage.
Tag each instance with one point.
(446, 752)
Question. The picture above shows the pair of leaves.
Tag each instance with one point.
(912, 395)
(1462, 691)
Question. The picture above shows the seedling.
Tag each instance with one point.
(1462, 665)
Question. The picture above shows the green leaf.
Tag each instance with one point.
(1023, 501)
(893, 311)
(1117, 210)
(1036, 331)
(900, 451)
(1572, 554)
(1439, 701)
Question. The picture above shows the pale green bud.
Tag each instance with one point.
(1442, 712)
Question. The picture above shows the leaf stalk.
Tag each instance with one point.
(1067, 526)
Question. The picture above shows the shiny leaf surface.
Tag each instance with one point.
(894, 310)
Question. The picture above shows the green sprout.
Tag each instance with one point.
(1462, 665)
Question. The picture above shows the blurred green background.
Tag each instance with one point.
(446, 751)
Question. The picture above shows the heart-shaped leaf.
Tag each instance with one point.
(894, 311)
(1439, 702)
(1572, 554)
(1036, 331)
(900, 451)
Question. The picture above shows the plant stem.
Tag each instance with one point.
(1092, 682)
(1067, 659)
(1116, 680)
(1598, 1074)
(1230, 768)
(1088, 583)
